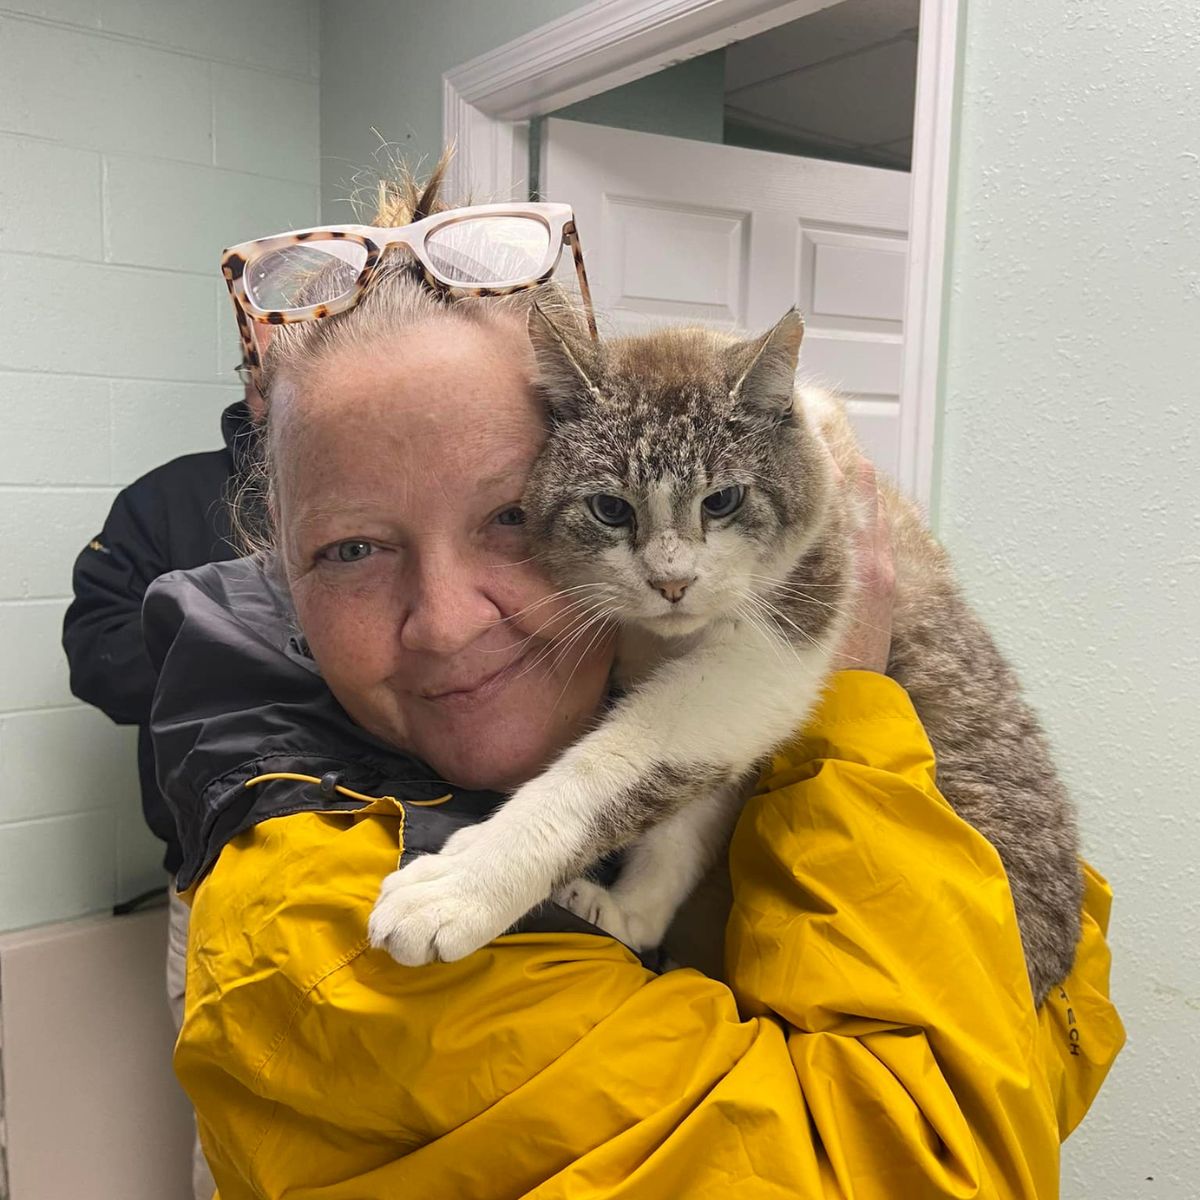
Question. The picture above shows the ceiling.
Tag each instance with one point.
(838, 84)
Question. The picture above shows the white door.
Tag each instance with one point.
(691, 232)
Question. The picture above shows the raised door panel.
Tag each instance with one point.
(678, 231)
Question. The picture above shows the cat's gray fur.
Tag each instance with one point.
(634, 412)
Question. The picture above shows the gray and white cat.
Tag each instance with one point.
(686, 492)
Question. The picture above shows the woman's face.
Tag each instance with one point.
(399, 480)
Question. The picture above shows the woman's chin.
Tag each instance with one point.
(496, 750)
(507, 733)
(484, 762)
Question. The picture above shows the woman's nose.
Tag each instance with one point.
(449, 610)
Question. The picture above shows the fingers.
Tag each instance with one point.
(881, 532)
(839, 477)
(874, 533)
(867, 485)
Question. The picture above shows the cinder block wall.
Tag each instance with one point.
(137, 138)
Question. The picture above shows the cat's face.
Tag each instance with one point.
(678, 481)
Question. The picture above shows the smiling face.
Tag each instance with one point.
(398, 481)
(677, 479)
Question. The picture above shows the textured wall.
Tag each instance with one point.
(137, 139)
(1070, 488)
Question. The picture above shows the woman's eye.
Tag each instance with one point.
(610, 510)
(511, 516)
(726, 501)
(354, 550)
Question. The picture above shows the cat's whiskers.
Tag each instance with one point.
(600, 615)
(764, 621)
(768, 618)
(792, 592)
(773, 579)
(603, 628)
(523, 644)
(777, 614)
(560, 643)
(562, 614)
(745, 613)
(548, 599)
(560, 647)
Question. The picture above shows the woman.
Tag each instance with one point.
(877, 1037)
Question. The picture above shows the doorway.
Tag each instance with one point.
(862, 254)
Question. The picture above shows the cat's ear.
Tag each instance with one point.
(764, 369)
(567, 364)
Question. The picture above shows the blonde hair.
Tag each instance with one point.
(398, 299)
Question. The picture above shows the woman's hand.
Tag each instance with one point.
(868, 639)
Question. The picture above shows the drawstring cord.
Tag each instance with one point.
(345, 791)
(329, 784)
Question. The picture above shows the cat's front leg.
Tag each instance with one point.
(595, 903)
(700, 718)
(443, 906)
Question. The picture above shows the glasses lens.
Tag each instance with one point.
(304, 274)
(490, 251)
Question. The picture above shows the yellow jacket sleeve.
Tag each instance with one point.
(879, 929)
(882, 1043)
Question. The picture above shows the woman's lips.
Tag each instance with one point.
(480, 692)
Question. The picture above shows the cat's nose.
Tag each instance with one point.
(672, 589)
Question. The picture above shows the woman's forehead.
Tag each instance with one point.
(457, 418)
(424, 372)
(489, 422)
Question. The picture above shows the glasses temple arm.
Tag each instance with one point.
(577, 250)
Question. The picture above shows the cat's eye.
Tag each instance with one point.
(726, 501)
(610, 510)
(511, 516)
(353, 550)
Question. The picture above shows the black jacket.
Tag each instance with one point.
(239, 696)
(173, 518)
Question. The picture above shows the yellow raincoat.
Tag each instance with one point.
(877, 1040)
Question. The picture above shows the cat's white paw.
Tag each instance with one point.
(445, 906)
(640, 918)
(597, 905)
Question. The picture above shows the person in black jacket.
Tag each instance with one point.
(174, 518)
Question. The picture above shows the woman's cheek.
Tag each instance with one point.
(346, 615)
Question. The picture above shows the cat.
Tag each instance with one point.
(687, 493)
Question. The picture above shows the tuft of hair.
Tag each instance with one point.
(401, 198)
(394, 191)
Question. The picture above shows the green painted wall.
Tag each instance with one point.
(1070, 488)
(687, 100)
(134, 149)
(382, 64)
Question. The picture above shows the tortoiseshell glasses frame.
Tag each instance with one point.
(369, 245)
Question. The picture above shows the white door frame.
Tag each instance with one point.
(487, 101)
